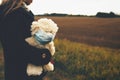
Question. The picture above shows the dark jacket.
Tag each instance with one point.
(14, 28)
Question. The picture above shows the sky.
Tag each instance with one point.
(82, 7)
(79, 7)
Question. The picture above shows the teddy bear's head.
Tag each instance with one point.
(44, 24)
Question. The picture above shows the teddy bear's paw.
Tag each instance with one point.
(52, 50)
(48, 67)
(33, 70)
(30, 41)
(51, 47)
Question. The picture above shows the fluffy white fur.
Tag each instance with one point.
(48, 26)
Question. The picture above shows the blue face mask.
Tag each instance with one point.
(43, 38)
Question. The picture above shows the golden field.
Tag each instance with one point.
(87, 48)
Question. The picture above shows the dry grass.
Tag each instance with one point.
(90, 30)
(76, 61)
(98, 63)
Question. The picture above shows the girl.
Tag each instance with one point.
(15, 21)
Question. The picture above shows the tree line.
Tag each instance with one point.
(107, 15)
(99, 14)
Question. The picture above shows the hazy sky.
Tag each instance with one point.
(85, 7)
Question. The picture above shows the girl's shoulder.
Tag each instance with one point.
(23, 11)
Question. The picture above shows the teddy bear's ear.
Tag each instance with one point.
(34, 30)
(34, 25)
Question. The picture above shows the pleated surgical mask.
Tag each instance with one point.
(43, 37)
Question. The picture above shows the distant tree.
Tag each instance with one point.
(112, 14)
(55, 14)
(58, 14)
(105, 15)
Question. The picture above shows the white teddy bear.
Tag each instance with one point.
(43, 33)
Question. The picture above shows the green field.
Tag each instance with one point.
(87, 48)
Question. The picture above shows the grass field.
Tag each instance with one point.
(87, 48)
(76, 61)
(103, 32)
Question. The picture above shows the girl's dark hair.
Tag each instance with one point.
(11, 5)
